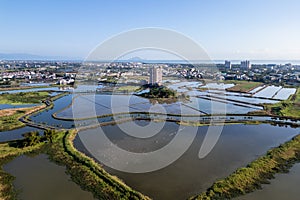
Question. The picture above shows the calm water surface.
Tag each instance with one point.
(6, 106)
(37, 178)
(46, 116)
(284, 186)
(17, 133)
(189, 175)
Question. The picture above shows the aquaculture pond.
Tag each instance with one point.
(32, 90)
(6, 106)
(183, 86)
(45, 117)
(88, 105)
(256, 89)
(16, 134)
(245, 99)
(35, 84)
(285, 93)
(284, 186)
(37, 178)
(79, 88)
(268, 92)
(214, 106)
(219, 86)
(189, 175)
(96, 105)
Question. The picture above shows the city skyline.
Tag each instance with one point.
(231, 30)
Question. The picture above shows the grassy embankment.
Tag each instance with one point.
(82, 169)
(137, 77)
(242, 86)
(32, 143)
(287, 108)
(17, 87)
(89, 174)
(250, 178)
(127, 88)
(9, 118)
(23, 98)
(51, 100)
(163, 94)
(7, 153)
(221, 123)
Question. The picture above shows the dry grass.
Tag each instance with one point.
(9, 118)
(12, 111)
(243, 86)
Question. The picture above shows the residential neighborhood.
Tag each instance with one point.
(64, 73)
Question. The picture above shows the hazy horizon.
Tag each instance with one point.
(31, 57)
(233, 30)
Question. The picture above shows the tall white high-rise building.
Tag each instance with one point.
(245, 64)
(155, 75)
(227, 64)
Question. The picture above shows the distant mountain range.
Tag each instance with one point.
(137, 59)
(25, 56)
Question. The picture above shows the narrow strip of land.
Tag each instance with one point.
(250, 178)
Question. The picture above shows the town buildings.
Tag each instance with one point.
(227, 64)
(245, 65)
(155, 75)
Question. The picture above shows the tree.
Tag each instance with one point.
(31, 138)
(49, 134)
(159, 92)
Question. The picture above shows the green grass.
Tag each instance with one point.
(291, 111)
(11, 122)
(248, 179)
(137, 77)
(128, 88)
(7, 153)
(87, 173)
(242, 86)
(83, 170)
(159, 92)
(292, 106)
(23, 98)
(286, 108)
(7, 191)
(18, 87)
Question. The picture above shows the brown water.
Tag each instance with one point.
(189, 175)
(284, 186)
(39, 179)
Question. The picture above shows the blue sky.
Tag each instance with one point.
(226, 29)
